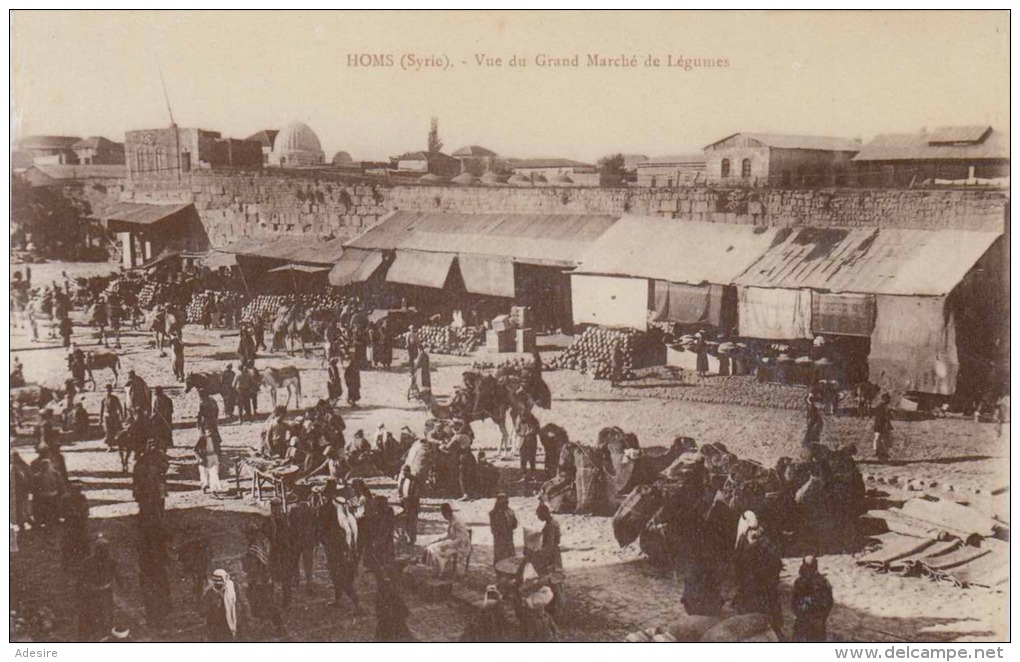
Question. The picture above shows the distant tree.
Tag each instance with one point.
(612, 171)
(54, 223)
(435, 144)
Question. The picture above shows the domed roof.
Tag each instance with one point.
(342, 158)
(297, 137)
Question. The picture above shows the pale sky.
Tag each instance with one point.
(851, 74)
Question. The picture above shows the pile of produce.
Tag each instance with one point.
(519, 368)
(268, 305)
(458, 341)
(592, 353)
(196, 306)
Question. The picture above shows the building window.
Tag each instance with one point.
(141, 163)
(186, 161)
(745, 168)
(669, 182)
(725, 170)
(160, 159)
(653, 181)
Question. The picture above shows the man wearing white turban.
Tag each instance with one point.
(224, 609)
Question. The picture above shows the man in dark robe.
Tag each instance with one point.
(334, 379)
(111, 415)
(96, 579)
(75, 537)
(163, 419)
(757, 565)
(227, 391)
(352, 378)
(340, 544)
(503, 523)
(811, 602)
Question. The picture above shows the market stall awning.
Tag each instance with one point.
(869, 260)
(299, 268)
(216, 260)
(687, 304)
(309, 250)
(138, 214)
(420, 268)
(355, 266)
(492, 276)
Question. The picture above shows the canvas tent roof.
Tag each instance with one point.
(289, 249)
(355, 266)
(136, 213)
(422, 269)
(677, 251)
(869, 260)
(542, 239)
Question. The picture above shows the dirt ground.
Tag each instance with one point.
(609, 591)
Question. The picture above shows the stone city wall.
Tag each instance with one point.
(323, 204)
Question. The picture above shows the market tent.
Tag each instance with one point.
(558, 240)
(420, 268)
(607, 301)
(492, 276)
(868, 260)
(355, 266)
(913, 346)
(688, 304)
(125, 216)
(307, 250)
(692, 252)
(774, 314)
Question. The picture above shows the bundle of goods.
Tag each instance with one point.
(706, 490)
(592, 353)
(457, 341)
(589, 476)
(710, 629)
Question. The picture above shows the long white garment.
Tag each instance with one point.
(455, 546)
(774, 314)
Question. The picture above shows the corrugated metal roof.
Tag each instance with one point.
(141, 214)
(422, 269)
(919, 147)
(289, 249)
(791, 141)
(543, 239)
(869, 261)
(677, 251)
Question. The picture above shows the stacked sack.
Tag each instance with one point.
(592, 353)
(197, 305)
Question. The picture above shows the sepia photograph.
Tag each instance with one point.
(510, 326)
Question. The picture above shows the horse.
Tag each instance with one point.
(30, 395)
(210, 382)
(158, 326)
(287, 377)
(102, 361)
(131, 440)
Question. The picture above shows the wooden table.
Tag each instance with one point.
(260, 477)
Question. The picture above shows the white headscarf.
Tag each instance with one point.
(747, 522)
(229, 600)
